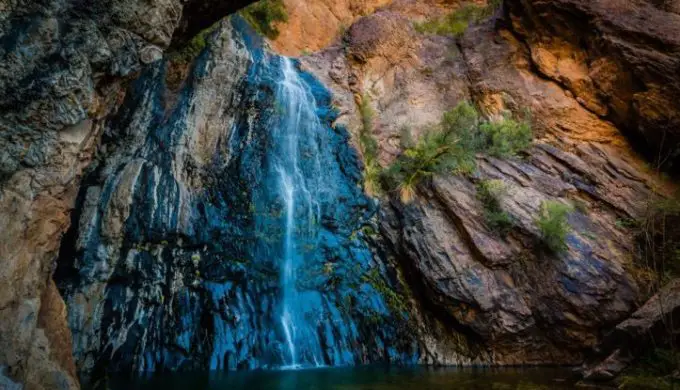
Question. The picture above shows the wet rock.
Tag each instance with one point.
(175, 259)
(62, 65)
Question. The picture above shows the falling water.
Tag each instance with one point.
(297, 133)
(269, 262)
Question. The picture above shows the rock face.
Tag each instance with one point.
(620, 59)
(313, 25)
(190, 248)
(163, 267)
(523, 304)
(62, 64)
(648, 327)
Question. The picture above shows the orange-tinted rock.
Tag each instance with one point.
(313, 25)
(526, 305)
(620, 58)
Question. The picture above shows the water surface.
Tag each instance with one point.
(361, 378)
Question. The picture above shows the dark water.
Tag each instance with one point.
(363, 378)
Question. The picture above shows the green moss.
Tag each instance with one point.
(634, 382)
(395, 301)
(194, 47)
(264, 15)
(652, 371)
(490, 193)
(553, 225)
(458, 21)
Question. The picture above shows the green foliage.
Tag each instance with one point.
(452, 147)
(651, 371)
(506, 137)
(490, 193)
(445, 148)
(457, 22)
(194, 47)
(395, 301)
(406, 138)
(369, 147)
(658, 235)
(264, 15)
(634, 382)
(552, 222)
(449, 147)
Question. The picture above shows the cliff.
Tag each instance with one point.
(171, 180)
(63, 68)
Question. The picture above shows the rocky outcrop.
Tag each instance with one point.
(162, 269)
(651, 326)
(621, 60)
(522, 303)
(62, 69)
(313, 25)
(176, 257)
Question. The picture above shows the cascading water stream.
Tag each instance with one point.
(246, 237)
(297, 128)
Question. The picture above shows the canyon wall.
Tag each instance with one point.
(525, 304)
(63, 67)
(225, 228)
(157, 211)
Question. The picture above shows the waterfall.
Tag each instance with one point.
(247, 240)
(297, 132)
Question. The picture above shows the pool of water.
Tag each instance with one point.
(361, 378)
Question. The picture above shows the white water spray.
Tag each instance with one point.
(297, 131)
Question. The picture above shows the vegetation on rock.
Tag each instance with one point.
(396, 302)
(449, 147)
(652, 371)
(490, 193)
(264, 15)
(507, 137)
(658, 239)
(553, 225)
(194, 47)
(441, 149)
(457, 22)
(369, 147)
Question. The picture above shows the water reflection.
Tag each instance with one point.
(362, 378)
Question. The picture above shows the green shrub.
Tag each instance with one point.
(194, 47)
(439, 149)
(457, 22)
(264, 15)
(490, 193)
(506, 137)
(451, 147)
(552, 222)
(369, 147)
(651, 371)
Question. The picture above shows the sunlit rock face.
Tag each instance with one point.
(225, 228)
(521, 303)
